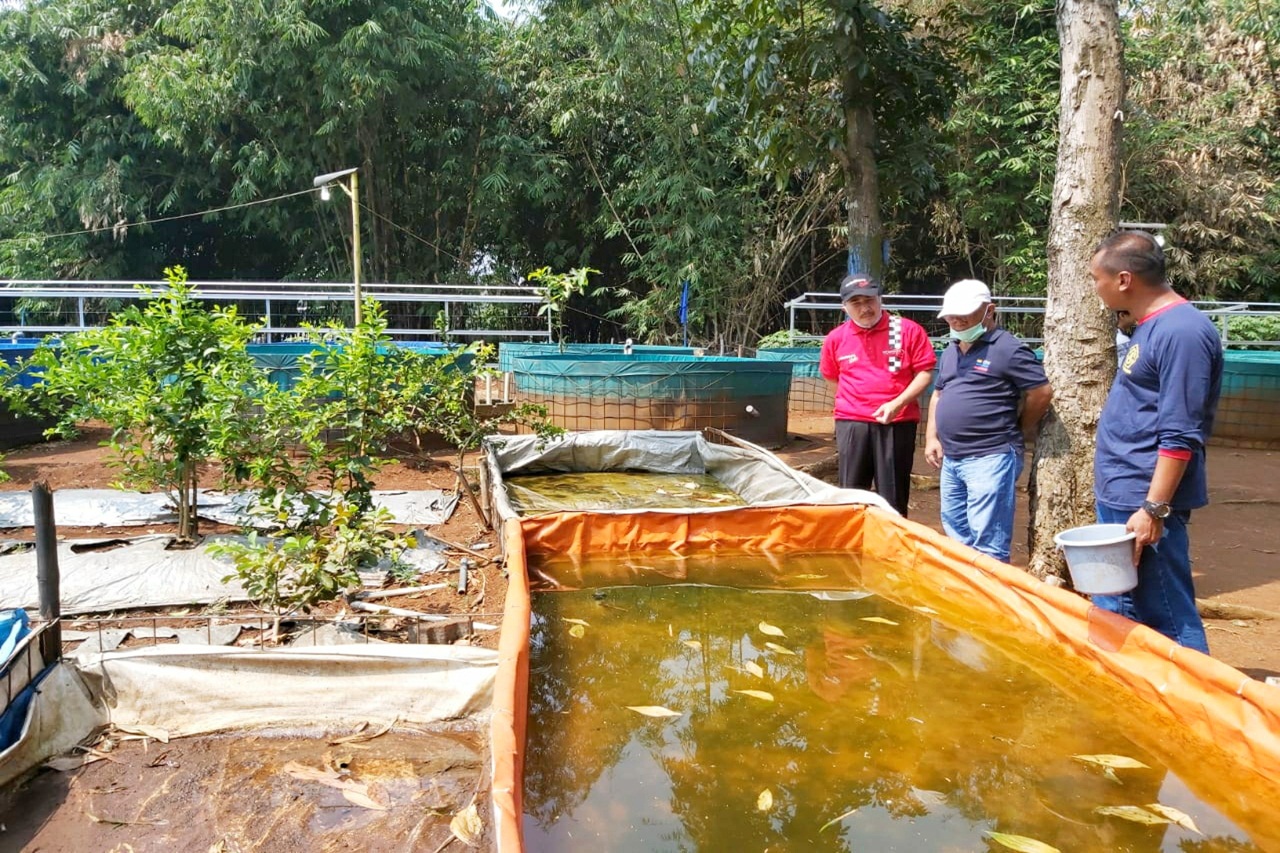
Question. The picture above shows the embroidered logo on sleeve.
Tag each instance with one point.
(1130, 359)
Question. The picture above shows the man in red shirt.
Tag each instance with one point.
(880, 364)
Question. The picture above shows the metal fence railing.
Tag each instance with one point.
(812, 315)
(37, 308)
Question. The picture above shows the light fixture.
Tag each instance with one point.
(324, 182)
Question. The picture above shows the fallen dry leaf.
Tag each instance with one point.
(467, 826)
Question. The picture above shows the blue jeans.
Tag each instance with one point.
(1165, 598)
(978, 496)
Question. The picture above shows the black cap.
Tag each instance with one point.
(858, 285)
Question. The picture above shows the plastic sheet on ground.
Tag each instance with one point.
(114, 508)
(138, 573)
(188, 690)
(141, 572)
(756, 475)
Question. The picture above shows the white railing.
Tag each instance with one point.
(1022, 314)
(283, 307)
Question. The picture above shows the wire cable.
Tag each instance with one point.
(120, 225)
(400, 227)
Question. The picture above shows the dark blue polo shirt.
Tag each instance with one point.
(977, 414)
(1163, 400)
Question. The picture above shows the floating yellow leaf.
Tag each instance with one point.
(771, 630)
(467, 826)
(764, 802)
(577, 631)
(808, 577)
(1120, 762)
(1181, 818)
(693, 644)
(654, 711)
(757, 694)
(1021, 843)
(583, 622)
(837, 819)
(782, 650)
(1137, 814)
(879, 620)
(754, 668)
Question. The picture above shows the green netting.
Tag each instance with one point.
(510, 351)
(283, 362)
(804, 360)
(651, 376)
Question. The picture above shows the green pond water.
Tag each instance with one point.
(617, 490)
(882, 730)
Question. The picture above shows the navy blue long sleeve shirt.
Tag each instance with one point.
(1163, 400)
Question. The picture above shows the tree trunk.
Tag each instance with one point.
(862, 189)
(1079, 335)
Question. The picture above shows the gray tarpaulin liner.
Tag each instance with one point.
(141, 573)
(759, 477)
(114, 508)
(59, 715)
(189, 690)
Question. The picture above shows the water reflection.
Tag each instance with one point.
(924, 737)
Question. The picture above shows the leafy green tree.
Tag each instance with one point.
(1203, 141)
(558, 289)
(825, 82)
(172, 379)
(1001, 140)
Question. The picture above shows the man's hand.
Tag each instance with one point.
(887, 412)
(933, 452)
(1148, 530)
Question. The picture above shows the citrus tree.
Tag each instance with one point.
(171, 377)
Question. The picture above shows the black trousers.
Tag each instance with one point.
(879, 454)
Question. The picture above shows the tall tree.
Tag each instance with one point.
(1079, 337)
(1202, 141)
(824, 82)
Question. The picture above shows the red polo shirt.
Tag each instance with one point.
(858, 360)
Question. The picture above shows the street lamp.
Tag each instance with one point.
(324, 182)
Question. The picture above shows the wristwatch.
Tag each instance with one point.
(1159, 510)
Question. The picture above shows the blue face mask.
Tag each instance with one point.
(970, 334)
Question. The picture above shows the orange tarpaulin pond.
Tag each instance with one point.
(1216, 729)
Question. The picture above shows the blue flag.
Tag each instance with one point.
(684, 302)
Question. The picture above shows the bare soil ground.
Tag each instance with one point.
(206, 793)
(1234, 541)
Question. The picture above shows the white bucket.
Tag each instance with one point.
(1100, 558)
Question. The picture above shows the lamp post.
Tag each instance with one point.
(324, 182)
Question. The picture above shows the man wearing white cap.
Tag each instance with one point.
(880, 363)
(988, 398)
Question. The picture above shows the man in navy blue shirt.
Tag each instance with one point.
(990, 393)
(1149, 468)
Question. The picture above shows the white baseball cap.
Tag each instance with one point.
(964, 297)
